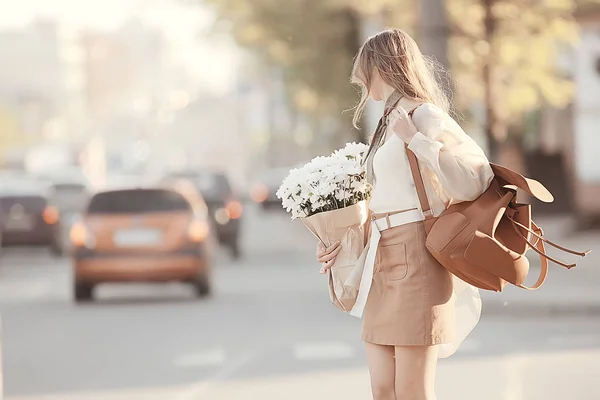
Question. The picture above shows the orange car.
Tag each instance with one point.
(142, 235)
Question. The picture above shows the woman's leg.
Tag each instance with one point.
(382, 370)
(415, 372)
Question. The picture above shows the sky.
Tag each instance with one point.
(211, 60)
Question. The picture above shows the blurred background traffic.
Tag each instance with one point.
(144, 253)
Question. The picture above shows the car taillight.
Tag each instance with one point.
(234, 209)
(80, 236)
(259, 192)
(50, 215)
(198, 231)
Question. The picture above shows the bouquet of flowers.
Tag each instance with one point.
(326, 183)
(330, 195)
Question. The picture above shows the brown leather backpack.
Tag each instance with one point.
(483, 242)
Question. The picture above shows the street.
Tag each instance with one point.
(267, 333)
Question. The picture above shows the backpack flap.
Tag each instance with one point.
(507, 176)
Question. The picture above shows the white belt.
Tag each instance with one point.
(402, 218)
(377, 226)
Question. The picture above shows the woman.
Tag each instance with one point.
(414, 311)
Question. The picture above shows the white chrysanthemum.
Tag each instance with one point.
(352, 168)
(319, 163)
(326, 183)
(352, 151)
(343, 195)
(325, 188)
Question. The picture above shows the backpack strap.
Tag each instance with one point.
(419, 185)
(539, 234)
(539, 248)
(413, 161)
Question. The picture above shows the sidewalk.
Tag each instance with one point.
(575, 291)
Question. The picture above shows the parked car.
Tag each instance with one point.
(29, 219)
(152, 234)
(224, 207)
(265, 187)
(69, 192)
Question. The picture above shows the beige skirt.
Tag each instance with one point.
(410, 302)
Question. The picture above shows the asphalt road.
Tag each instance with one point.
(267, 333)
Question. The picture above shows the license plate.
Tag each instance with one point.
(19, 223)
(137, 237)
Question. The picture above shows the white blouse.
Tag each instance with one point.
(394, 189)
(453, 166)
(454, 169)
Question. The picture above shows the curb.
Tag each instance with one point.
(527, 309)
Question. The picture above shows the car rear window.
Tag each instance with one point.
(30, 203)
(69, 187)
(137, 201)
(213, 186)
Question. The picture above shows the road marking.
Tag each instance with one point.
(322, 351)
(19, 291)
(201, 389)
(578, 339)
(210, 357)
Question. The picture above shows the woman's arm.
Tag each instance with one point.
(459, 163)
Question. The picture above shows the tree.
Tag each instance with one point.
(507, 58)
(314, 41)
(11, 136)
(503, 53)
(434, 32)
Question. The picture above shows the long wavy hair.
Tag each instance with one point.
(399, 61)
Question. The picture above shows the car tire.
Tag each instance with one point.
(83, 292)
(202, 287)
(236, 252)
(56, 250)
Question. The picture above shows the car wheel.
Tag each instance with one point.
(236, 252)
(56, 250)
(202, 287)
(83, 292)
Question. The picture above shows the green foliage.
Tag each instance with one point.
(11, 135)
(312, 40)
(315, 40)
(524, 52)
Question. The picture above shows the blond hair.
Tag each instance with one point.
(400, 63)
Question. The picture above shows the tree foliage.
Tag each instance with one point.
(314, 42)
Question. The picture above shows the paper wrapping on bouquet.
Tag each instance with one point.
(350, 226)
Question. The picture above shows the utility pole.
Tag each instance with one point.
(489, 95)
(434, 32)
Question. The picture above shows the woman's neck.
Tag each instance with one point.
(386, 91)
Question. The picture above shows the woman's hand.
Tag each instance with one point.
(326, 255)
(402, 124)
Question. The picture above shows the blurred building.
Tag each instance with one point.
(562, 153)
(36, 84)
(208, 134)
(582, 146)
(124, 70)
(128, 87)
